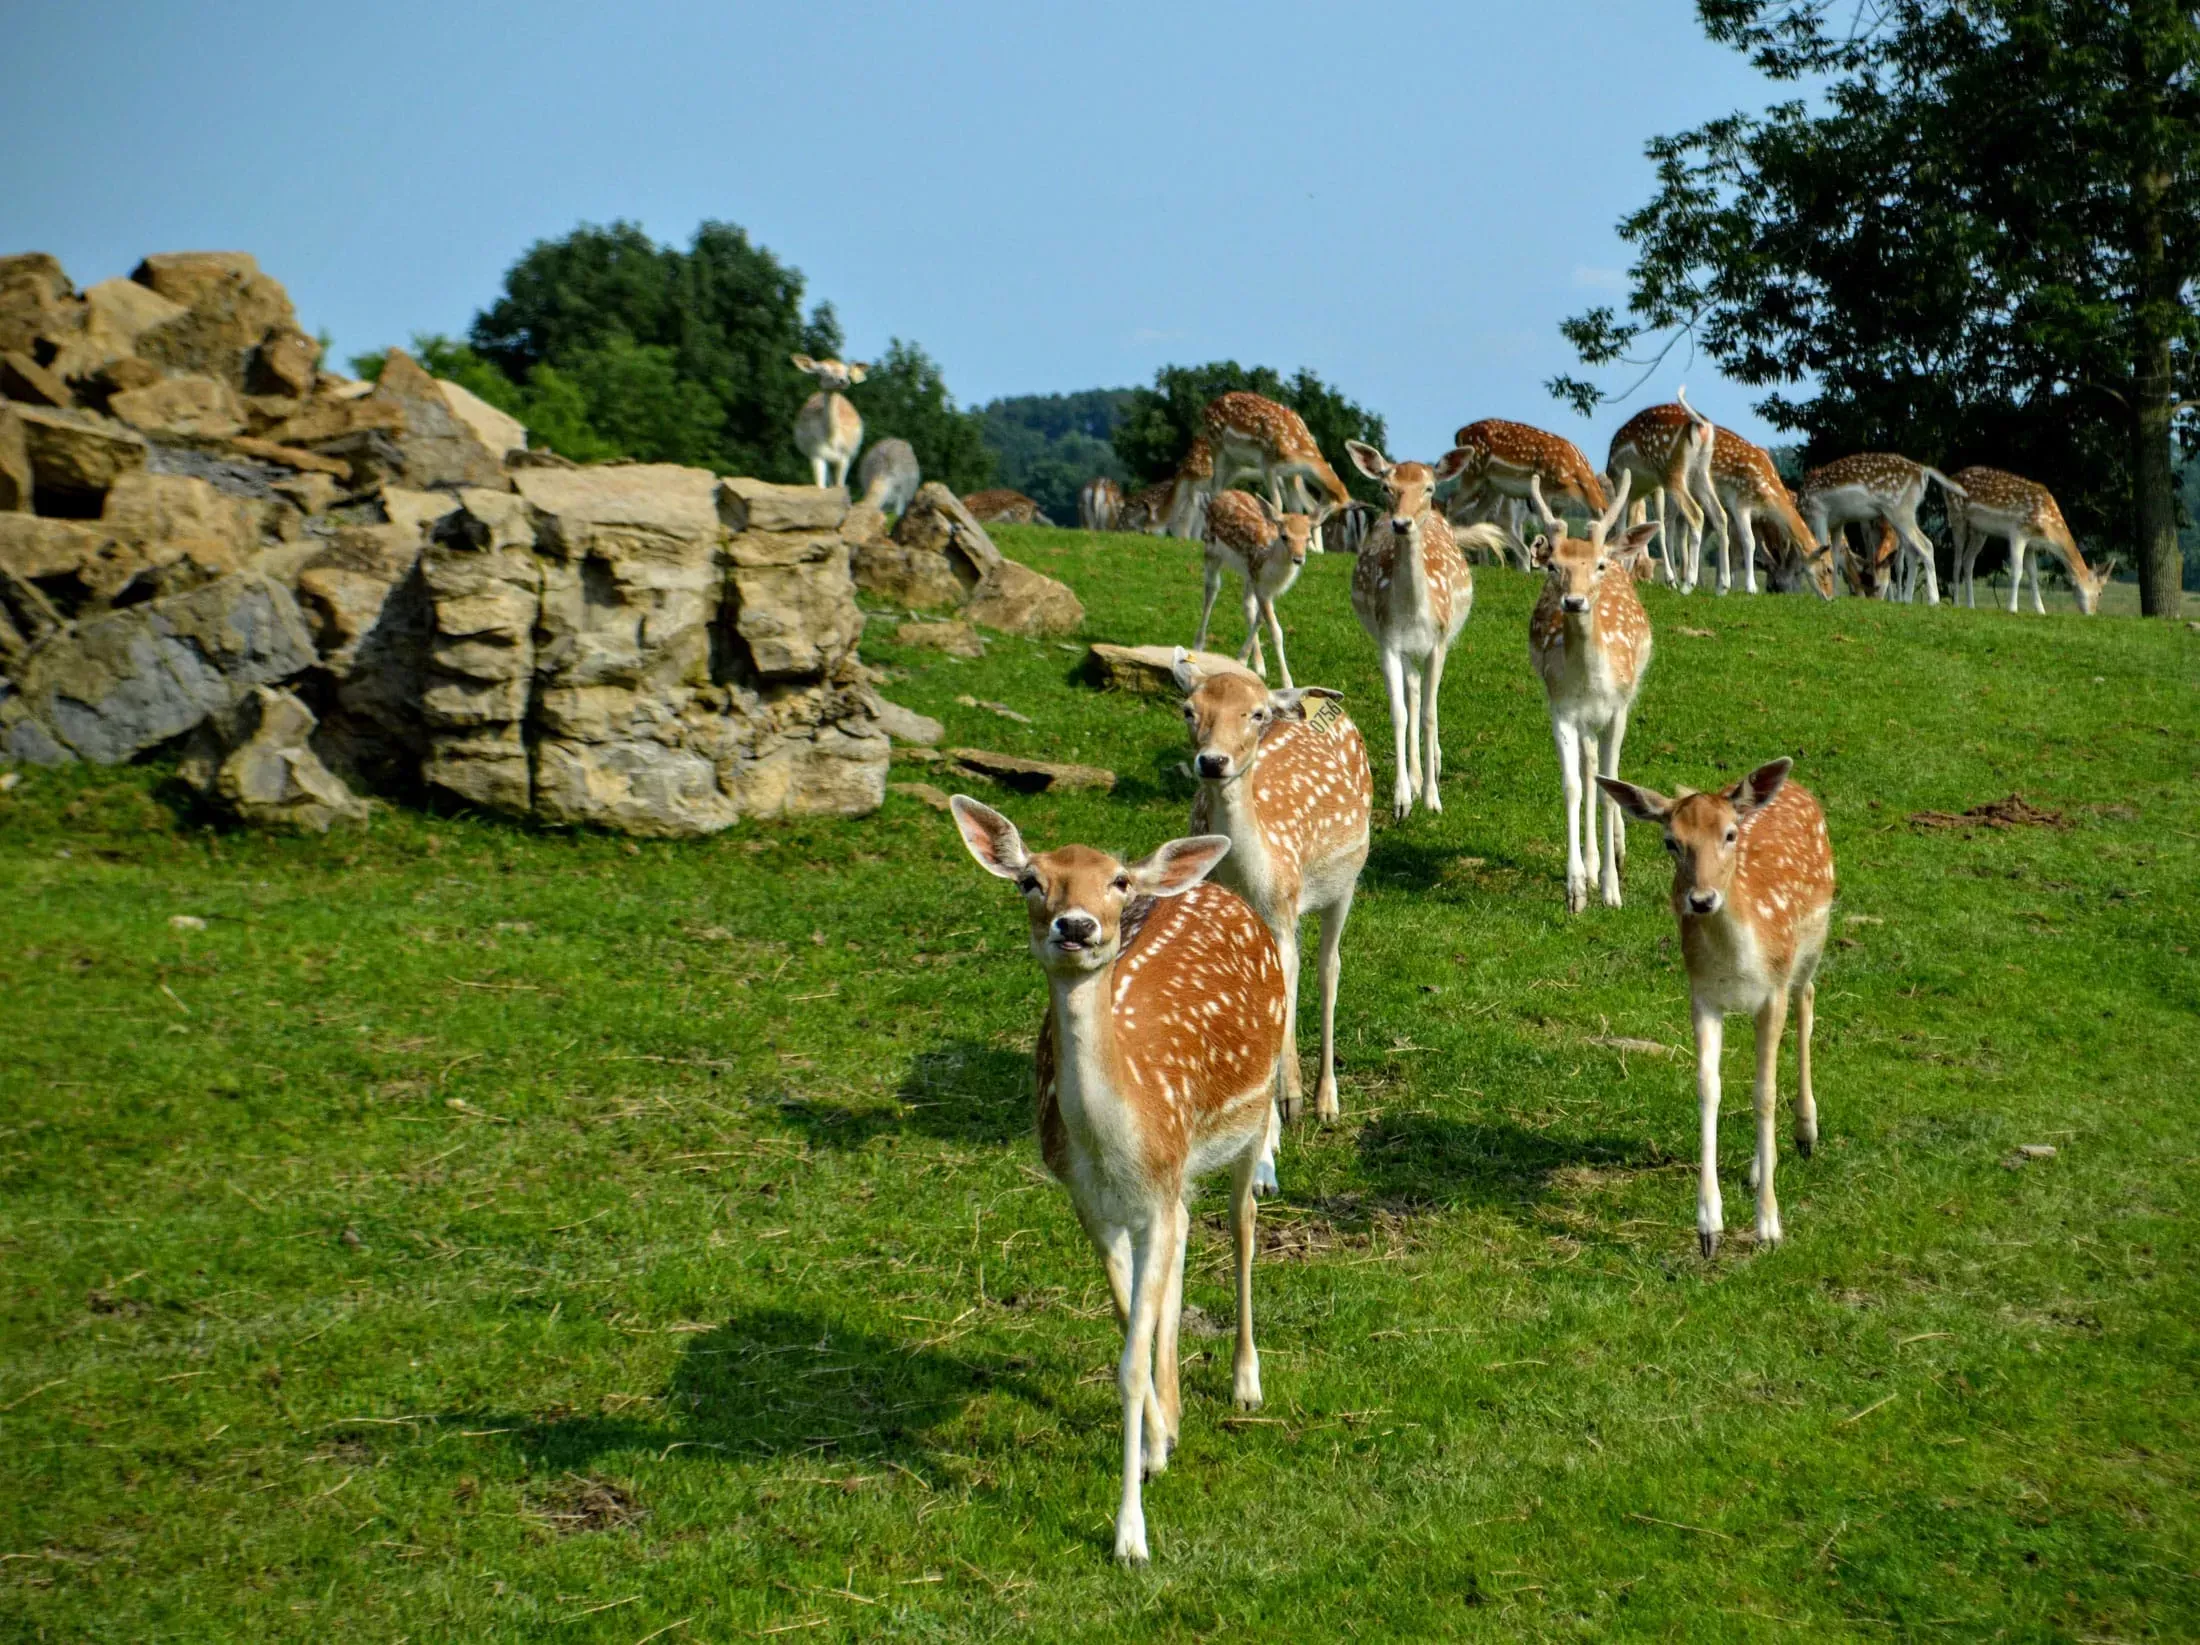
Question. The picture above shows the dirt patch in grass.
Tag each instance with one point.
(578, 1503)
(2014, 812)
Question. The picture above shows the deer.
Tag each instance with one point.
(1495, 458)
(1589, 642)
(1753, 894)
(1869, 487)
(889, 476)
(1988, 503)
(1747, 485)
(1412, 591)
(1870, 575)
(829, 430)
(1146, 510)
(1252, 434)
(1155, 1064)
(1002, 506)
(1099, 504)
(1666, 450)
(1185, 514)
(1791, 567)
(1267, 550)
(1292, 793)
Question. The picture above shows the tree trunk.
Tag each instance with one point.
(2154, 394)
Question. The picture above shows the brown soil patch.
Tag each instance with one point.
(577, 1503)
(2014, 812)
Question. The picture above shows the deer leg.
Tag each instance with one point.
(1414, 723)
(1592, 866)
(1744, 531)
(1167, 1387)
(1432, 763)
(1615, 831)
(1771, 1020)
(2016, 569)
(1245, 1373)
(1275, 630)
(1114, 1246)
(2039, 607)
(1290, 1092)
(1207, 611)
(1134, 1373)
(1922, 546)
(1710, 1214)
(1806, 1105)
(1568, 738)
(1401, 788)
(1264, 1164)
(1327, 966)
(1251, 648)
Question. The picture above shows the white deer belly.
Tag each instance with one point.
(1727, 971)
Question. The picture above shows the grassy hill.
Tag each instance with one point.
(475, 1232)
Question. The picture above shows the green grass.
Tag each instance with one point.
(483, 1233)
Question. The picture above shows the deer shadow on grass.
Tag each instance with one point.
(964, 1091)
(1435, 1161)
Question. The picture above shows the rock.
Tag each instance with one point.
(485, 585)
(73, 562)
(36, 300)
(632, 783)
(436, 447)
(937, 522)
(912, 577)
(1150, 670)
(1031, 776)
(417, 511)
(121, 375)
(1018, 600)
(107, 326)
(74, 452)
(255, 763)
(622, 505)
(866, 527)
(180, 408)
(793, 602)
(230, 309)
(924, 793)
(308, 493)
(499, 432)
(328, 418)
(284, 364)
(1002, 709)
(16, 476)
(308, 462)
(757, 505)
(906, 725)
(956, 639)
(23, 378)
(27, 619)
(123, 682)
(179, 531)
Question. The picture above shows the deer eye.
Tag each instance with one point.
(1123, 883)
(1259, 714)
(1732, 835)
(1028, 885)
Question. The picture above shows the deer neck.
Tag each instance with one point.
(1233, 808)
(1411, 576)
(1089, 1068)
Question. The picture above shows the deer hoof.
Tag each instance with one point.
(1708, 1239)
(1805, 1145)
(1288, 1108)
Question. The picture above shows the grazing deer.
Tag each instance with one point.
(829, 430)
(1099, 504)
(1791, 567)
(1494, 458)
(1666, 451)
(1252, 434)
(888, 476)
(1879, 487)
(1988, 503)
(1292, 793)
(1166, 1006)
(1870, 574)
(1347, 529)
(1412, 591)
(1753, 891)
(1267, 550)
(1193, 484)
(1747, 485)
(1589, 640)
(1146, 510)
(1001, 506)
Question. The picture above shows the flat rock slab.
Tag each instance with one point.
(923, 793)
(1031, 776)
(906, 725)
(1150, 670)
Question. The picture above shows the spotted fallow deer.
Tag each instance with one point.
(829, 430)
(1267, 550)
(1166, 1006)
(1753, 891)
(1748, 486)
(1790, 567)
(1002, 506)
(1666, 451)
(1185, 513)
(1099, 504)
(1292, 792)
(1412, 590)
(1146, 510)
(1589, 639)
(1876, 488)
(1870, 573)
(1253, 435)
(1494, 458)
(1994, 504)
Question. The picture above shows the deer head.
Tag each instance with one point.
(1411, 486)
(1227, 714)
(832, 375)
(1576, 565)
(1702, 831)
(2088, 583)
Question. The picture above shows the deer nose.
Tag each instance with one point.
(1214, 765)
(1703, 902)
(1075, 928)
(1400, 524)
(1574, 602)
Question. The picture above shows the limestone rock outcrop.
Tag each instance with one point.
(939, 558)
(255, 762)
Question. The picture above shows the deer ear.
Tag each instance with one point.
(1187, 672)
(991, 837)
(1268, 512)
(1453, 461)
(802, 362)
(857, 371)
(1643, 804)
(1290, 703)
(1179, 865)
(1638, 537)
(1539, 551)
(1368, 460)
(1755, 791)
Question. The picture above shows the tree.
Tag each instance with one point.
(1981, 249)
(1048, 445)
(1159, 424)
(904, 396)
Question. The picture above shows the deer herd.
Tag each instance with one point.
(1169, 1046)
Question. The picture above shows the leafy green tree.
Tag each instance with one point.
(1159, 423)
(904, 396)
(1981, 249)
(1048, 445)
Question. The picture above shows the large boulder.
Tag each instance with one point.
(180, 408)
(106, 326)
(793, 601)
(255, 763)
(484, 586)
(127, 681)
(17, 481)
(499, 432)
(36, 300)
(229, 310)
(23, 378)
(435, 447)
(76, 455)
(1018, 600)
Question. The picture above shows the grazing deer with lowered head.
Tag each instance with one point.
(1988, 503)
(1155, 1064)
(1748, 487)
(1589, 639)
(1292, 794)
(1252, 434)
(1099, 504)
(1267, 550)
(1666, 450)
(1753, 891)
(1494, 458)
(829, 430)
(1876, 488)
(1146, 510)
(1412, 590)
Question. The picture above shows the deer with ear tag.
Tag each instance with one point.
(1589, 640)
(1753, 891)
(1165, 1016)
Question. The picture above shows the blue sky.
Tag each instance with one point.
(1406, 199)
